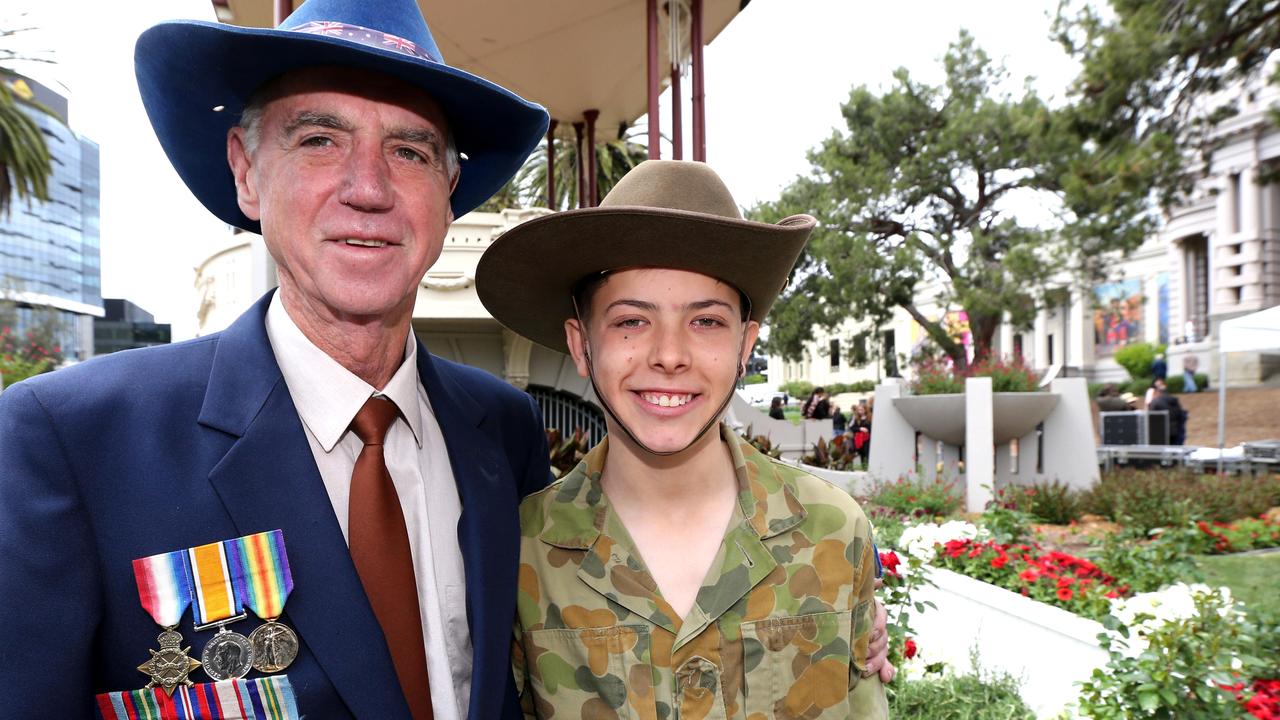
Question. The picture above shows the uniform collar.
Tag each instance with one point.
(766, 497)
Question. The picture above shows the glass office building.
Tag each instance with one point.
(50, 273)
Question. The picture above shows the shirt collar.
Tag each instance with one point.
(766, 495)
(327, 395)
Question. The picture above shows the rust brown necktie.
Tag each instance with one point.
(380, 549)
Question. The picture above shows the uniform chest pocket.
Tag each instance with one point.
(797, 667)
(591, 672)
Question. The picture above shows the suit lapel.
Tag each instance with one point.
(267, 480)
(487, 533)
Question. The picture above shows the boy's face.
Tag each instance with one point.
(665, 346)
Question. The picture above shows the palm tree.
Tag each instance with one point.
(25, 164)
(614, 158)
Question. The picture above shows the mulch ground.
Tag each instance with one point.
(1252, 414)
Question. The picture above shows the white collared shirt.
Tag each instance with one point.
(327, 397)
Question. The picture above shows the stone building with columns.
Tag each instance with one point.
(1215, 257)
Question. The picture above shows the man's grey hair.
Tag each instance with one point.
(251, 122)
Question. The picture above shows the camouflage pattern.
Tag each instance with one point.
(779, 629)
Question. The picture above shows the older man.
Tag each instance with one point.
(394, 476)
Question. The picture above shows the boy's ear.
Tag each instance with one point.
(576, 338)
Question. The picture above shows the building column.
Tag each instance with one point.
(515, 366)
(593, 192)
(582, 178)
(699, 88)
(677, 120)
(551, 165)
(651, 64)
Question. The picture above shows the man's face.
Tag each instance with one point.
(349, 181)
(665, 346)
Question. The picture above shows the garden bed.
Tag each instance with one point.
(1046, 648)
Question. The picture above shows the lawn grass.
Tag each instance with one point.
(1253, 579)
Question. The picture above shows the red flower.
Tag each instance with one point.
(890, 562)
(1064, 594)
(999, 561)
(909, 649)
(1029, 575)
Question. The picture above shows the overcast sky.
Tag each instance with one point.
(775, 79)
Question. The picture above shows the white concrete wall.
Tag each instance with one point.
(1048, 649)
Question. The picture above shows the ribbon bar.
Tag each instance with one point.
(164, 586)
(260, 570)
(265, 698)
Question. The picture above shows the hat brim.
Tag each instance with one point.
(526, 277)
(196, 76)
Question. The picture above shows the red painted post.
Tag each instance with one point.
(284, 8)
(551, 165)
(677, 121)
(655, 152)
(582, 178)
(593, 192)
(699, 90)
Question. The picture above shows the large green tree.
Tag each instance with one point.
(986, 191)
(1158, 76)
(25, 164)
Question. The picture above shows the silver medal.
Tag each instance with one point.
(227, 656)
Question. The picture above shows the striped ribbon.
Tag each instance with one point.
(215, 594)
(260, 571)
(164, 586)
(265, 698)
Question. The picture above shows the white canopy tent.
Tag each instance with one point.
(1256, 332)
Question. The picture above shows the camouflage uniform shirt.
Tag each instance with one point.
(779, 628)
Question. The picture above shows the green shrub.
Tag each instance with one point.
(753, 379)
(1055, 503)
(1202, 381)
(918, 498)
(1138, 387)
(1149, 562)
(1095, 389)
(797, 388)
(1174, 383)
(958, 697)
(1136, 358)
(1151, 498)
(935, 377)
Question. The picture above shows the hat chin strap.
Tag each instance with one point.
(591, 373)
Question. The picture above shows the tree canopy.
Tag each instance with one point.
(1159, 75)
(987, 191)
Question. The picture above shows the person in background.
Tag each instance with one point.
(838, 420)
(1156, 386)
(1109, 400)
(1165, 400)
(811, 403)
(1159, 368)
(860, 426)
(775, 409)
(1189, 366)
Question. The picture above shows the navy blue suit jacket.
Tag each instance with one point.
(153, 450)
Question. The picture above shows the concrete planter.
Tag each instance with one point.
(942, 417)
(1048, 649)
(858, 483)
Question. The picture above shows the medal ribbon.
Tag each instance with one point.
(260, 570)
(265, 698)
(164, 586)
(215, 594)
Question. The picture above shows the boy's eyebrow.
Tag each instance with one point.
(651, 307)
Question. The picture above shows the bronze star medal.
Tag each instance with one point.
(170, 665)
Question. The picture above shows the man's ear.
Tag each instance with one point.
(576, 338)
(242, 170)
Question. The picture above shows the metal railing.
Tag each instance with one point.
(566, 412)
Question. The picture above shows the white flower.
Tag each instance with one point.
(921, 541)
(1147, 613)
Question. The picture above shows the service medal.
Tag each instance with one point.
(263, 581)
(274, 647)
(170, 666)
(164, 589)
(228, 656)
